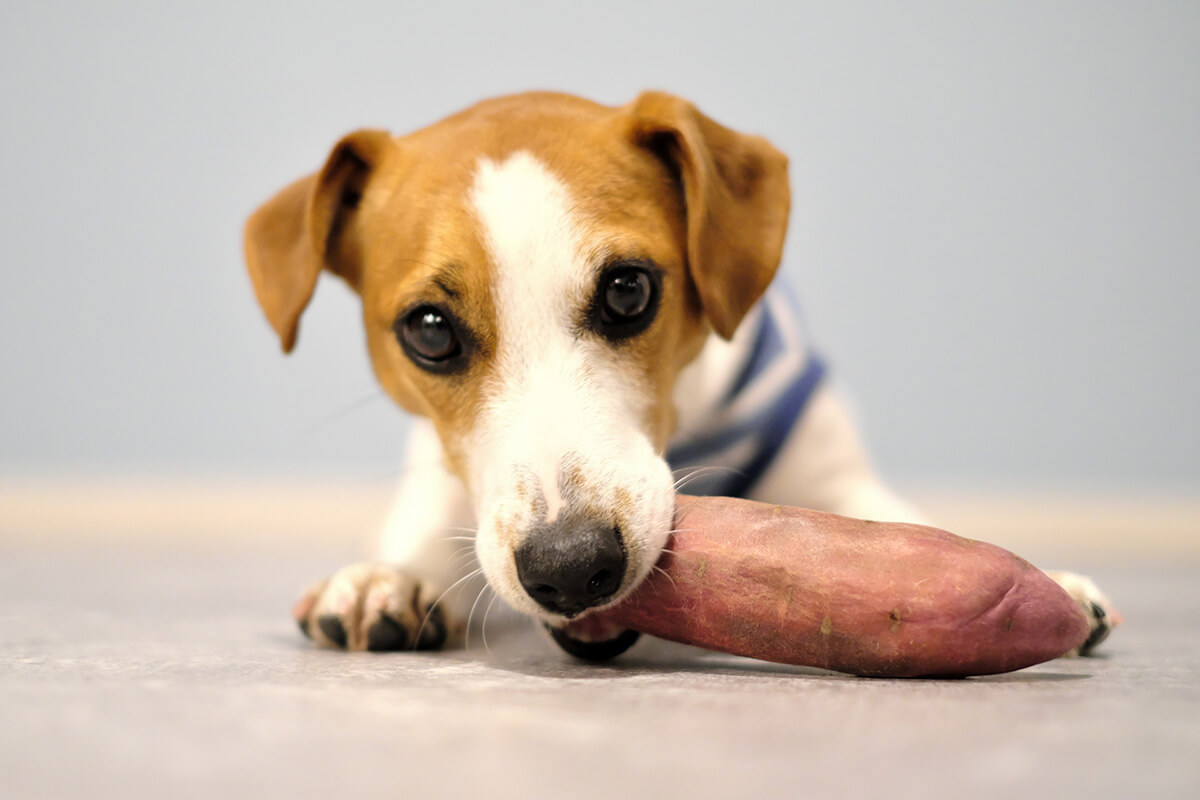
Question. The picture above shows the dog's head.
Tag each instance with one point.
(535, 272)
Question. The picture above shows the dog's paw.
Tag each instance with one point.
(1101, 615)
(372, 606)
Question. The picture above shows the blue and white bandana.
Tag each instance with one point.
(743, 434)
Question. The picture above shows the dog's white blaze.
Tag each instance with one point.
(541, 280)
(559, 396)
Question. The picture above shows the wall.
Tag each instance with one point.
(995, 224)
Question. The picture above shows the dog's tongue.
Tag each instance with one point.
(595, 627)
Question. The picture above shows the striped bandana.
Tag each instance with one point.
(743, 434)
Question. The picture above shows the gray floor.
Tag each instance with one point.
(128, 671)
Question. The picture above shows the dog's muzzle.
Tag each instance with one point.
(570, 565)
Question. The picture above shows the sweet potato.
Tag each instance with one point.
(867, 598)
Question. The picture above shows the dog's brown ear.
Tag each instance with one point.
(736, 191)
(294, 235)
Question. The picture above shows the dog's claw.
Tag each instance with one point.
(1100, 629)
(333, 629)
(386, 634)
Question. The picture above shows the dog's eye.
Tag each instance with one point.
(626, 301)
(626, 294)
(429, 337)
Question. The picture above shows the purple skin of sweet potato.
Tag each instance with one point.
(866, 598)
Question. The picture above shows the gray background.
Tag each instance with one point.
(994, 233)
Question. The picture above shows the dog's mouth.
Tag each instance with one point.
(593, 636)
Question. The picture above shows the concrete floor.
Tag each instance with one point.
(173, 670)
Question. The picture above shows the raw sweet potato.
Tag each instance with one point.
(867, 598)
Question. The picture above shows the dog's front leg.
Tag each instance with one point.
(412, 596)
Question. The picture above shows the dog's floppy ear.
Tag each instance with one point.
(295, 234)
(736, 191)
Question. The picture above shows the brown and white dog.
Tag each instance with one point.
(556, 288)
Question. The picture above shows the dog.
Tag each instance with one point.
(574, 299)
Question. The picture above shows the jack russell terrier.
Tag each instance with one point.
(575, 300)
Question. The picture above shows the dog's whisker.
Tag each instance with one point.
(458, 551)
(693, 470)
(469, 547)
(684, 479)
(487, 611)
(459, 565)
(666, 574)
(696, 470)
(460, 559)
(421, 628)
(699, 472)
(467, 643)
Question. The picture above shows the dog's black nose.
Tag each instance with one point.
(568, 567)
